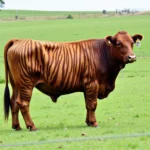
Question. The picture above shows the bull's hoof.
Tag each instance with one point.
(93, 124)
(32, 128)
(16, 127)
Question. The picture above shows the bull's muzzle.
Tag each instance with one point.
(131, 58)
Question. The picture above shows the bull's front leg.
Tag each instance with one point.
(90, 94)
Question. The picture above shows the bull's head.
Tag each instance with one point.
(122, 46)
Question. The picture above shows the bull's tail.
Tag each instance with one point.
(6, 92)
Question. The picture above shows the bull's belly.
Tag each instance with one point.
(55, 91)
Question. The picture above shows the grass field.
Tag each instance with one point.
(125, 111)
(23, 14)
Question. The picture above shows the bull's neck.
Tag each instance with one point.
(108, 65)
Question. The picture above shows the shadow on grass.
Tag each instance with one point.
(46, 128)
(58, 127)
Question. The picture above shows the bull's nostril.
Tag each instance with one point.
(131, 58)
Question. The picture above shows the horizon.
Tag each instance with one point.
(78, 5)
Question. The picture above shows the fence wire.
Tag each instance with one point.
(99, 138)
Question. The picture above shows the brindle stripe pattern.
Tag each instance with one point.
(61, 65)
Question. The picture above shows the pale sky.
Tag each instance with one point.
(76, 5)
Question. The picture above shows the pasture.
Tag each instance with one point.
(24, 14)
(125, 111)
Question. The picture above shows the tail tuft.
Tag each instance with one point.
(6, 103)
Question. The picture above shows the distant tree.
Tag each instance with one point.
(128, 11)
(2, 3)
(69, 16)
(104, 12)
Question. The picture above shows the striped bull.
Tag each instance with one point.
(89, 66)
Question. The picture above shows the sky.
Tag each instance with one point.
(76, 5)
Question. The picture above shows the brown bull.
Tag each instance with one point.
(89, 66)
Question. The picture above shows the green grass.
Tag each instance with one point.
(24, 14)
(125, 111)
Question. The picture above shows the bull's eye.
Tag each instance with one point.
(118, 44)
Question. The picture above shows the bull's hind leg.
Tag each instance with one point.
(23, 101)
(14, 107)
(15, 112)
(91, 104)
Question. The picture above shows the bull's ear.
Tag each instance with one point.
(137, 37)
(109, 40)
